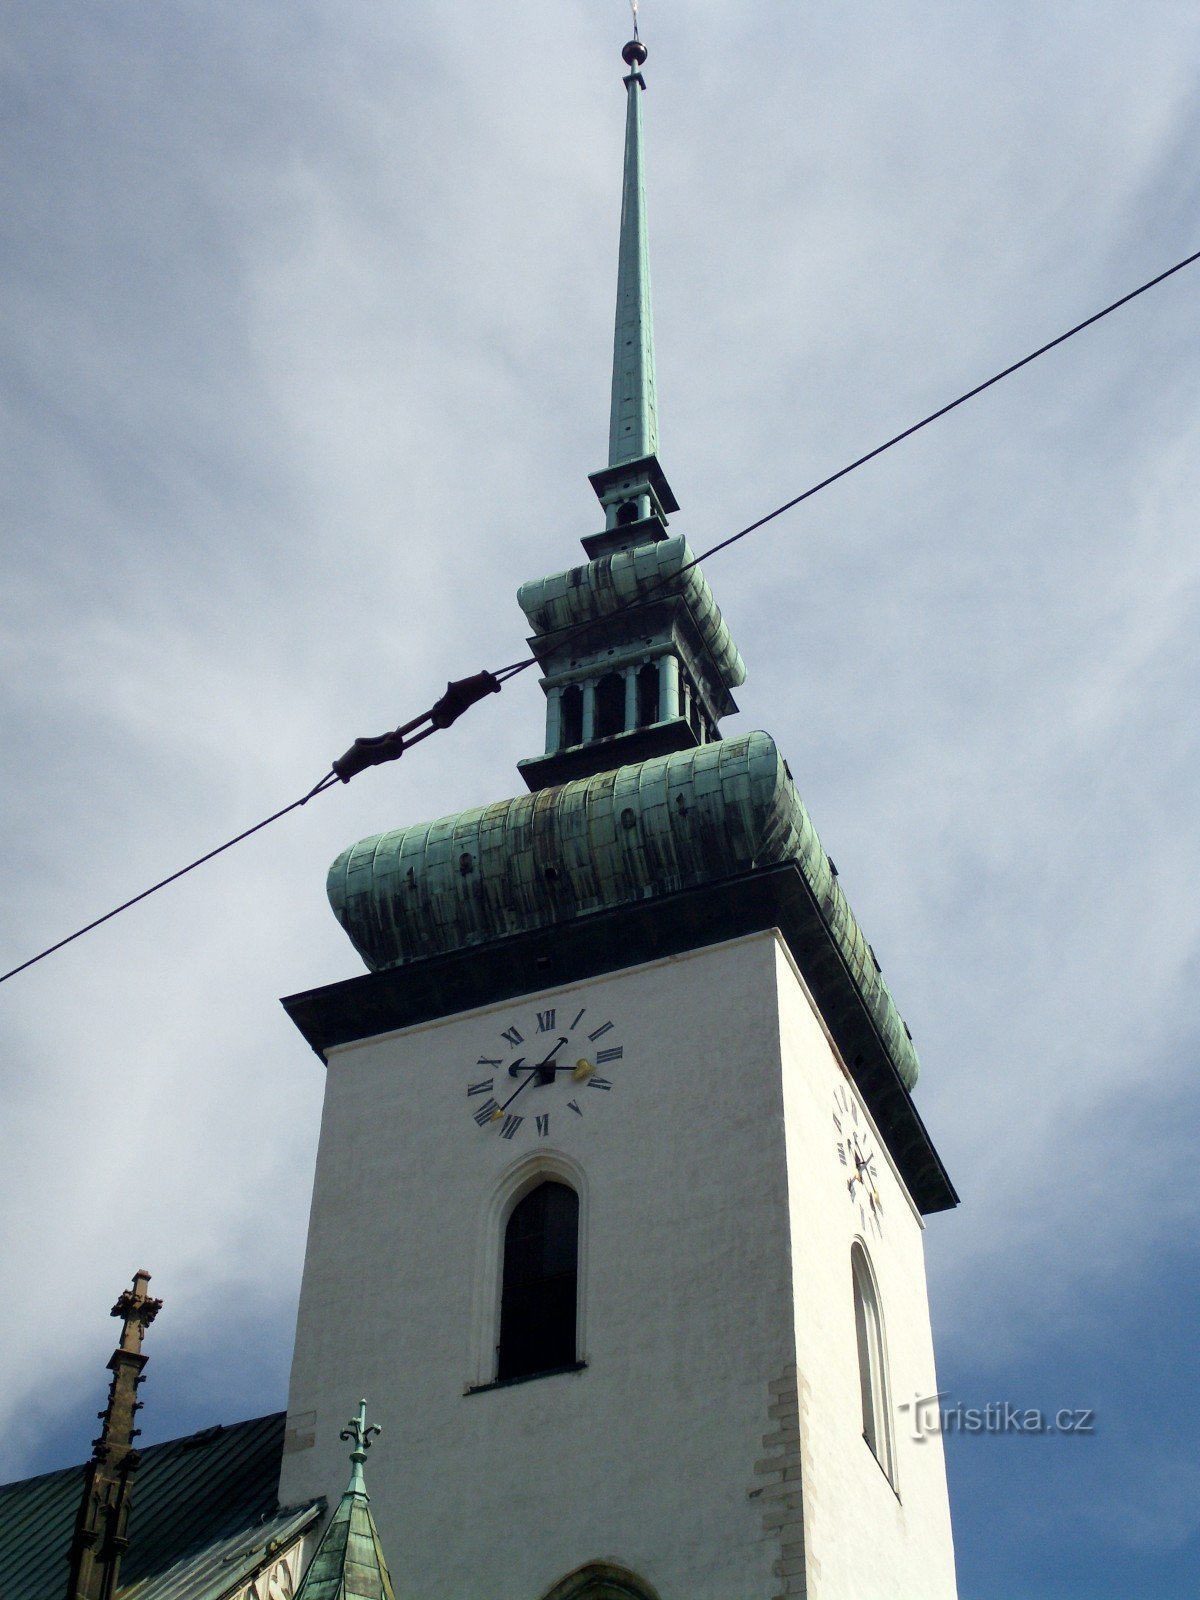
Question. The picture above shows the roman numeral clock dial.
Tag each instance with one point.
(858, 1160)
(541, 1073)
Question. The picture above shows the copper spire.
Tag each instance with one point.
(349, 1563)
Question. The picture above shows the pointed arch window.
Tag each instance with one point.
(601, 1580)
(539, 1286)
(872, 1363)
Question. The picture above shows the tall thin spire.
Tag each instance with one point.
(635, 494)
(633, 421)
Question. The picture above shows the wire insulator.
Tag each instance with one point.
(364, 753)
(461, 695)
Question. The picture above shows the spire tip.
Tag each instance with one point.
(634, 54)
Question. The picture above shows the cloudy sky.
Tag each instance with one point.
(306, 320)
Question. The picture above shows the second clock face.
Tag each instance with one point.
(856, 1153)
(545, 1069)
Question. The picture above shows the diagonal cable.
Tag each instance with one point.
(582, 628)
(318, 788)
(466, 692)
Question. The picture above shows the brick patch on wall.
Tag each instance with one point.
(778, 1485)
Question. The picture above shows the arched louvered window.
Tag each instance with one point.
(872, 1362)
(540, 1282)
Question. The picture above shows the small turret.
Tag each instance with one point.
(349, 1563)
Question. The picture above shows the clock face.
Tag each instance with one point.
(856, 1153)
(541, 1072)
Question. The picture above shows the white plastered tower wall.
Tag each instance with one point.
(864, 1534)
(714, 1281)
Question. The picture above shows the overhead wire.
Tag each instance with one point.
(465, 692)
(870, 455)
(317, 788)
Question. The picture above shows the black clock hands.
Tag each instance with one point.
(538, 1071)
(559, 1058)
(546, 1068)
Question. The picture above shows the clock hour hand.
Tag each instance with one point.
(544, 1069)
(578, 1069)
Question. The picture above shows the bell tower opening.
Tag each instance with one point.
(610, 705)
(571, 727)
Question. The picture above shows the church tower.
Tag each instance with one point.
(618, 1203)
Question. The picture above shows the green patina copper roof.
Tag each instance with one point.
(613, 583)
(633, 423)
(349, 1563)
(205, 1518)
(211, 1572)
(642, 831)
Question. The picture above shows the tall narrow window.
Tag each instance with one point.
(872, 1371)
(647, 694)
(538, 1297)
(610, 705)
(572, 716)
(694, 712)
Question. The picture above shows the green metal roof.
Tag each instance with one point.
(204, 1513)
(613, 583)
(644, 831)
(349, 1563)
(215, 1569)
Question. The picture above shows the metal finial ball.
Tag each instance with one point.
(634, 54)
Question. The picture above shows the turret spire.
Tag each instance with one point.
(349, 1563)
